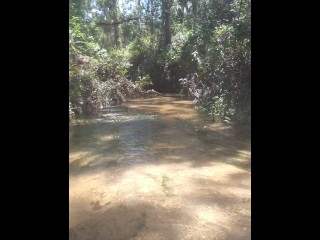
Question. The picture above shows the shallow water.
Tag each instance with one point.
(157, 169)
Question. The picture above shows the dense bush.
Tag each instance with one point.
(97, 77)
(219, 65)
(200, 48)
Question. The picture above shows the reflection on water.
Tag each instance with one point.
(154, 160)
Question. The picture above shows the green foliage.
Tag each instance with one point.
(81, 38)
(219, 108)
(217, 62)
(208, 55)
(113, 64)
(142, 57)
(144, 82)
(94, 72)
(179, 40)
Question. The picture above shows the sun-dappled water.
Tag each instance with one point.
(155, 168)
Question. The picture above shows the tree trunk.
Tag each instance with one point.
(139, 14)
(117, 27)
(166, 5)
(194, 7)
(150, 11)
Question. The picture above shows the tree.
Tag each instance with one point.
(166, 31)
(199, 47)
(117, 27)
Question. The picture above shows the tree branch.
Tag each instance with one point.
(116, 22)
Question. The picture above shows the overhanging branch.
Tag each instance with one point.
(116, 22)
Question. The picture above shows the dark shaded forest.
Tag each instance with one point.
(121, 49)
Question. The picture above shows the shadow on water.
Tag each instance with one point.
(127, 136)
(155, 169)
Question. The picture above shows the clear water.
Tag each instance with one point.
(157, 169)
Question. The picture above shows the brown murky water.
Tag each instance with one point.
(155, 169)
